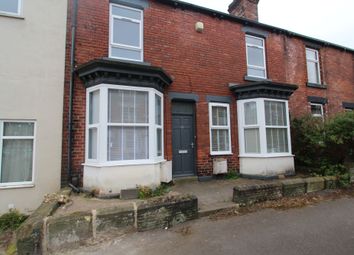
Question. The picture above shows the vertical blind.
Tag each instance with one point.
(220, 129)
(276, 127)
(128, 125)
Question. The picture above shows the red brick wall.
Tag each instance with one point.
(204, 64)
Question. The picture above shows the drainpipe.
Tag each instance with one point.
(71, 87)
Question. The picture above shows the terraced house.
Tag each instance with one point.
(32, 60)
(160, 89)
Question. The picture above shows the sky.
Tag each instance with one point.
(328, 20)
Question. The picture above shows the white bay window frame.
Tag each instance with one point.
(102, 143)
(261, 124)
(219, 127)
(22, 184)
(112, 44)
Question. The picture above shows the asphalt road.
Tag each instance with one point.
(325, 228)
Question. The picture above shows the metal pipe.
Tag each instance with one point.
(71, 87)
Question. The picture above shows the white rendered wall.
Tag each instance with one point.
(111, 180)
(32, 60)
(267, 167)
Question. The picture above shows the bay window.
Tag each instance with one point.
(126, 33)
(16, 152)
(264, 127)
(220, 137)
(125, 125)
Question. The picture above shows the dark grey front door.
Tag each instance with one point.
(183, 139)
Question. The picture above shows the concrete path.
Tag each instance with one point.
(327, 228)
(212, 195)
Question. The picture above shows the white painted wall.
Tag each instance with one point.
(111, 180)
(32, 54)
(266, 167)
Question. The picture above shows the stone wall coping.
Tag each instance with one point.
(244, 187)
(314, 179)
(293, 181)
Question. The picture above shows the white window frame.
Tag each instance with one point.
(123, 46)
(18, 13)
(264, 56)
(102, 156)
(212, 127)
(260, 102)
(317, 115)
(2, 137)
(317, 63)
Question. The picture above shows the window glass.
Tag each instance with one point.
(126, 32)
(158, 117)
(277, 140)
(127, 106)
(124, 12)
(16, 152)
(255, 56)
(92, 143)
(126, 53)
(316, 110)
(254, 41)
(310, 54)
(220, 140)
(312, 72)
(18, 129)
(256, 72)
(219, 116)
(94, 107)
(275, 113)
(256, 65)
(252, 144)
(220, 128)
(313, 66)
(10, 6)
(251, 113)
(128, 143)
(159, 141)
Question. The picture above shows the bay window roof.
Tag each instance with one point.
(111, 71)
(263, 89)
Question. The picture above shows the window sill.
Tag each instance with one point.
(16, 186)
(227, 153)
(130, 163)
(9, 15)
(316, 85)
(280, 155)
(253, 78)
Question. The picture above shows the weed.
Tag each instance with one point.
(11, 220)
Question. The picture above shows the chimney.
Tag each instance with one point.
(247, 9)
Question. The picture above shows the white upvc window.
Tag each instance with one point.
(256, 60)
(220, 136)
(126, 33)
(313, 66)
(17, 143)
(317, 110)
(11, 7)
(264, 128)
(124, 125)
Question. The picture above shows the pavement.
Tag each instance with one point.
(325, 228)
(213, 195)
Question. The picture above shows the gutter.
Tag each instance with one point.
(71, 89)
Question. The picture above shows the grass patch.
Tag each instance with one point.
(232, 175)
(11, 220)
(147, 192)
